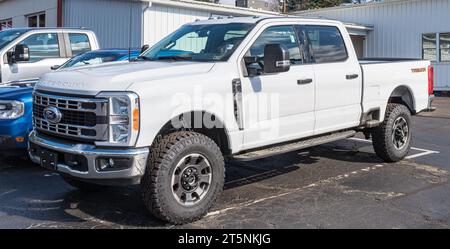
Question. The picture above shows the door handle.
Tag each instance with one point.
(351, 76)
(304, 81)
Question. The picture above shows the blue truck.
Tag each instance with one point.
(16, 99)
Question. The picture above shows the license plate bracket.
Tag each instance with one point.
(49, 159)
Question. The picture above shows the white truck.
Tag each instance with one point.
(234, 88)
(27, 53)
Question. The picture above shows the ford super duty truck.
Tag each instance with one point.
(230, 88)
(27, 53)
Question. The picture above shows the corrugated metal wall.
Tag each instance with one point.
(398, 29)
(163, 20)
(18, 10)
(110, 19)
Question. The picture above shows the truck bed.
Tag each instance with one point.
(382, 76)
(386, 60)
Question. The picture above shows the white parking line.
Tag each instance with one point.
(423, 153)
(295, 190)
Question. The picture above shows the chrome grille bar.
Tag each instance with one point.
(82, 116)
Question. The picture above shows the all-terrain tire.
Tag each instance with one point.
(382, 136)
(83, 186)
(157, 183)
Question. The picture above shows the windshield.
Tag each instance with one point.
(8, 35)
(97, 57)
(196, 42)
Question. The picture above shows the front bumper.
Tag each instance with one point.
(10, 130)
(90, 154)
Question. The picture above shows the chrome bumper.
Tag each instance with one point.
(91, 153)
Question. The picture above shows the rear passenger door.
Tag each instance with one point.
(337, 77)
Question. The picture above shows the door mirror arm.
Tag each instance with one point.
(10, 57)
(253, 65)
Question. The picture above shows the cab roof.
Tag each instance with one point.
(257, 19)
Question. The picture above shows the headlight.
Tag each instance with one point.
(123, 118)
(11, 109)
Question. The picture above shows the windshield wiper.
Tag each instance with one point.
(175, 57)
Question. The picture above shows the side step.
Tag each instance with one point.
(284, 148)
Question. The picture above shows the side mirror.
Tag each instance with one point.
(21, 53)
(55, 67)
(276, 58)
(144, 48)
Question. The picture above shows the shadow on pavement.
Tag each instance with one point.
(30, 192)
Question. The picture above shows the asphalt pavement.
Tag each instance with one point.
(336, 185)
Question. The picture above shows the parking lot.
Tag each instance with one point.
(336, 185)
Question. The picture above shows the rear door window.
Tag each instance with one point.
(327, 43)
(79, 43)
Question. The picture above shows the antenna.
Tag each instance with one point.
(129, 32)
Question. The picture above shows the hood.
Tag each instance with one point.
(117, 76)
(15, 93)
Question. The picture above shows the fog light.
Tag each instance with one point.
(111, 164)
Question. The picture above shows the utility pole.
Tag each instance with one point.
(283, 6)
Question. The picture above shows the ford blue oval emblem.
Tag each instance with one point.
(52, 114)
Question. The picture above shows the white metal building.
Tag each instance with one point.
(401, 29)
(118, 23)
(124, 23)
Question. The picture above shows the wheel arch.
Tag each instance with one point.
(219, 133)
(403, 95)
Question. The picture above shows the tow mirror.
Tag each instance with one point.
(144, 48)
(21, 53)
(276, 59)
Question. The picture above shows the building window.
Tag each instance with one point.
(36, 20)
(79, 43)
(429, 47)
(5, 24)
(444, 41)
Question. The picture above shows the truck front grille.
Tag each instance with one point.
(81, 118)
(69, 117)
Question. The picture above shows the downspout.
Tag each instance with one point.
(59, 10)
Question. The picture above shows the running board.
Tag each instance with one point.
(284, 148)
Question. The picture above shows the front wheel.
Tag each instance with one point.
(392, 139)
(184, 176)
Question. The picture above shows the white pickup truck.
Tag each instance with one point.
(235, 88)
(27, 53)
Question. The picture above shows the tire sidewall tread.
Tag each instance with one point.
(381, 135)
(156, 182)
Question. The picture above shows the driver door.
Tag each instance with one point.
(278, 107)
(46, 50)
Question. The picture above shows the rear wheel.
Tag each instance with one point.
(392, 139)
(184, 176)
